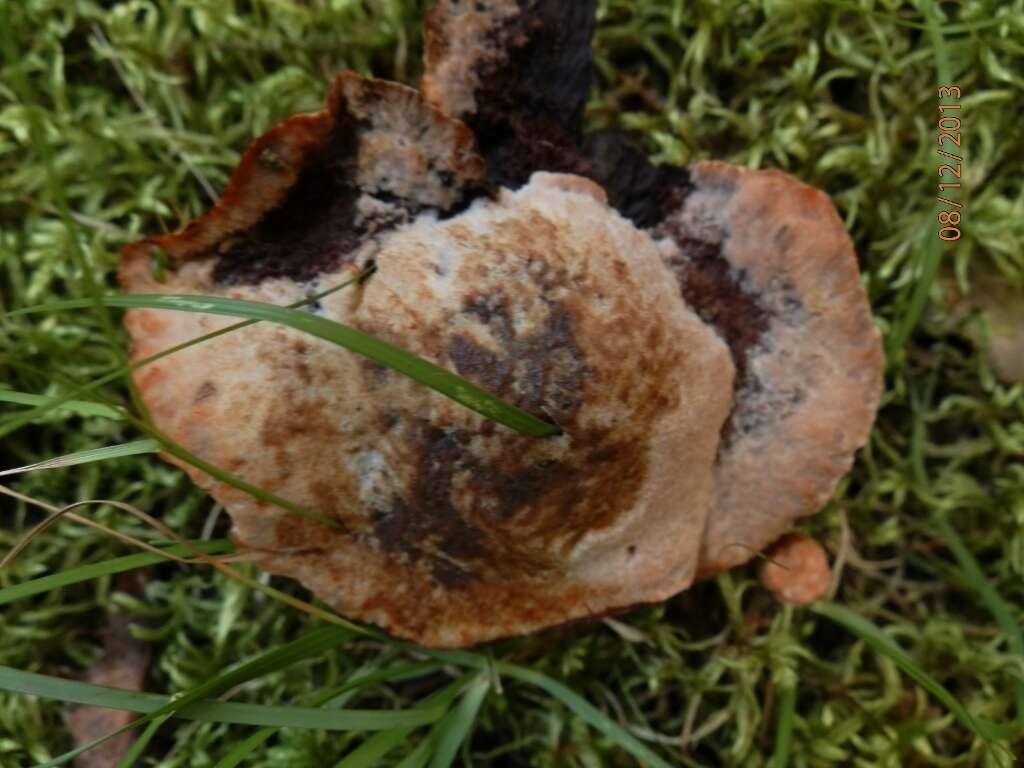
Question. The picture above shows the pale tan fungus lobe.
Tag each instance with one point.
(812, 381)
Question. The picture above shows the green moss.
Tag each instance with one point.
(146, 107)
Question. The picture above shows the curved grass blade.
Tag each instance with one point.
(180, 452)
(90, 454)
(584, 709)
(244, 748)
(107, 568)
(315, 718)
(459, 658)
(59, 401)
(388, 355)
(881, 643)
(307, 646)
(370, 752)
(456, 726)
(335, 697)
(155, 706)
(169, 445)
(419, 757)
(80, 407)
(136, 749)
(784, 731)
(973, 575)
(66, 513)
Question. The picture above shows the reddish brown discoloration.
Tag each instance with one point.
(714, 290)
(206, 389)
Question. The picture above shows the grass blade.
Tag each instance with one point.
(244, 748)
(179, 451)
(136, 750)
(419, 757)
(881, 643)
(370, 752)
(107, 568)
(388, 355)
(919, 295)
(336, 697)
(456, 727)
(584, 709)
(155, 706)
(311, 644)
(46, 405)
(784, 731)
(316, 718)
(972, 574)
(80, 407)
(90, 454)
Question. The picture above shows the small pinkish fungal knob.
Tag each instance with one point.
(797, 570)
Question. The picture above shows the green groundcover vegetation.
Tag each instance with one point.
(119, 119)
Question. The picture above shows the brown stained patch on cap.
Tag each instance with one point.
(427, 523)
(714, 290)
(537, 371)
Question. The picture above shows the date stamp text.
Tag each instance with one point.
(950, 120)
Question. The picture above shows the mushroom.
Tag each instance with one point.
(700, 336)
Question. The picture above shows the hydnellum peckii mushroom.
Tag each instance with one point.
(701, 336)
